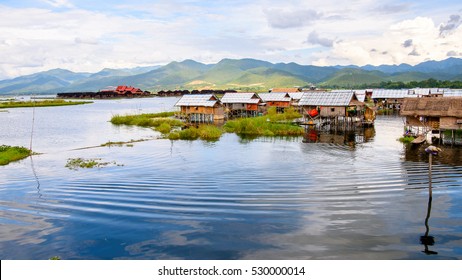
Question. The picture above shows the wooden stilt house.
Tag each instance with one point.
(280, 100)
(442, 116)
(335, 108)
(241, 104)
(200, 108)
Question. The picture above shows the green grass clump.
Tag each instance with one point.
(191, 133)
(270, 125)
(41, 103)
(209, 132)
(147, 120)
(288, 115)
(406, 139)
(164, 128)
(174, 135)
(203, 132)
(12, 153)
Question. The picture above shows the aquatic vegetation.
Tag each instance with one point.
(406, 139)
(76, 163)
(121, 143)
(209, 132)
(189, 134)
(175, 135)
(269, 125)
(272, 124)
(12, 153)
(146, 120)
(203, 132)
(41, 103)
(164, 128)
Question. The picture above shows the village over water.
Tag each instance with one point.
(432, 114)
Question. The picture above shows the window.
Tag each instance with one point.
(332, 110)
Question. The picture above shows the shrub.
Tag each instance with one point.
(210, 132)
(174, 135)
(189, 134)
(164, 128)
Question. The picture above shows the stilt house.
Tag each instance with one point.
(280, 100)
(241, 104)
(440, 114)
(336, 107)
(202, 108)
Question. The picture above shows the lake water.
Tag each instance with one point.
(322, 196)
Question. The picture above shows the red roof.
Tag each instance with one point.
(131, 89)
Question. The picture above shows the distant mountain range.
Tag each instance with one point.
(240, 74)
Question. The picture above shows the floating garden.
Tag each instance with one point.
(272, 124)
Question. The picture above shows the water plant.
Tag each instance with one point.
(406, 139)
(12, 153)
(146, 120)
(269, 125)
(164, 128)
(210, 132)
(76, 163)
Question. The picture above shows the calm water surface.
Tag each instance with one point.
(361, 196)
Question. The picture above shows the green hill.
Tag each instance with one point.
(350, 77)
(266, 78)
(244, 74)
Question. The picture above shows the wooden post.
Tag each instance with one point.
(430, 174)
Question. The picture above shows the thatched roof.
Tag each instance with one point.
(432, 107)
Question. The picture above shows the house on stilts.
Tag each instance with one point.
(335, 110)
(200, 108)
(429, 117)
(241, 105)
(280, 100)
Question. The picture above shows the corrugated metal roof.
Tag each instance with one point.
(296, 95)
(420, 91)
(360, 94)
(203, 100)
(452, 92)
(275, 96)
(331, 98)
(389, 93)
(241, 97)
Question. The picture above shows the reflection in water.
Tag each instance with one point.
(349, 138)
(428, 240)
(234, 198)
(35, 175)
(450, 155)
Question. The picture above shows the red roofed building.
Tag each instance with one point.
(128, 90)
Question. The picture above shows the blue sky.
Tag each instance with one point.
(87, 35)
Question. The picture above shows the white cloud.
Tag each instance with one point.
(420, 33)
(59, 3)
(140, 33)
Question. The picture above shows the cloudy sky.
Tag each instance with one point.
(88, 35)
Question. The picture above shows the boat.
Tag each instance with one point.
(419, 140)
